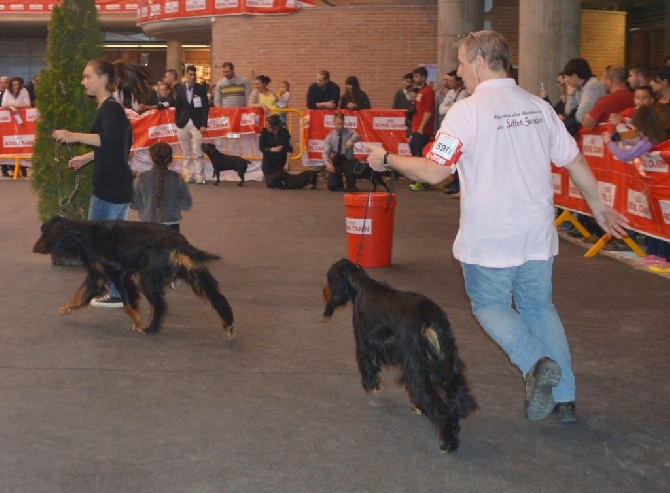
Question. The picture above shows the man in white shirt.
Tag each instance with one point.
(507, 241)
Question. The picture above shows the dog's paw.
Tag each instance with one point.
(140, 327)
(416, 409)
(449, 444)
(230, 331)
(64, 310)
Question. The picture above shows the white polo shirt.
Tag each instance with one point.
(510, 138)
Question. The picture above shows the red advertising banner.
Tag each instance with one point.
(17, 131)
(155, 10)
(644, 200)
(381, 127)
(159, 125)
(45, 6)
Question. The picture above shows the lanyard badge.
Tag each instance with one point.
(446, 150)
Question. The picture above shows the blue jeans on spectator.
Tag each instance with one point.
(532, 330)
(100, 210)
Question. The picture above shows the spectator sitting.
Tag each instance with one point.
(620, 121)
(338, 152)
(559, 107)
(652, 122)
(401, 99)
(660, 83)
(323, 94)
(639, 75)
(353, 98)
(583, 90)
(619, 98)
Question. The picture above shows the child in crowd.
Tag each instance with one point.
(621, 121)
(652, 124)
(283, 97)
(160, 194)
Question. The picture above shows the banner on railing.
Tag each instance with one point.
(45, 6)
(644, 200)
(155, 10)
(381, 127)
(155, 125)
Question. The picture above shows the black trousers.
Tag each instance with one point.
(342, 167)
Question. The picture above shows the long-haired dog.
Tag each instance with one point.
(223, 162)
(119, 251)
(410, 331)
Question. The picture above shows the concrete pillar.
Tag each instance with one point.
(174, 57)
(549, 36)
(455, 19)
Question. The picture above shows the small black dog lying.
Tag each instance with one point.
(222, 162)
(119, 250)
(406, 330)
(291, 181)
(356, 170)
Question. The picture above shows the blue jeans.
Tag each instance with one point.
(532, 330)
(100, 210)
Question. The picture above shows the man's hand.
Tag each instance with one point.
(614, 223)
(78, 162)
(376, 157)
(330, 167)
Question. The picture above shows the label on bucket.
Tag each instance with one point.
(359, 226)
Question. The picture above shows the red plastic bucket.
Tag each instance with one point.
(375, 229)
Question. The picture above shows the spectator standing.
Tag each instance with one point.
(401, 99)
(323, 94)
(171, 78)
(456, 92)
(160, 194)
(192, 109)
(283, 99)
(267, 100)
(508, 267)
(232, 91)
(354, 98)
(110, 137)
(618, 98)
(14, 96)
(423, 119)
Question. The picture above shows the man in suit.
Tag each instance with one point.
(192, 107)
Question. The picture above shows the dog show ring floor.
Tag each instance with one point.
(90, 406)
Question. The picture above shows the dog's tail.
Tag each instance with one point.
(197, 254)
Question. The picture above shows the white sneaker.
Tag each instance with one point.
(107, 301)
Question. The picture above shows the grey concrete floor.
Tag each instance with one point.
(86, 405)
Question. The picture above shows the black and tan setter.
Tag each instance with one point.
(121, 251)
(407, 330)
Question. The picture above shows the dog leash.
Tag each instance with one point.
(64, 203)
(367, 206)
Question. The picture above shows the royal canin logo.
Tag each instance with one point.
(219, 123)
(315, 146)
(192, 5)
(162, 131)
(171, 7)
(388, 123)
(248, 119)
(225, 4)
(14, 141)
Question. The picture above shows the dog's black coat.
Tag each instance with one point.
(222, 162)
(410, 331)
(356, 170)
(293, 181)
(119, 251)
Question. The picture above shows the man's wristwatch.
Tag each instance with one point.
(385, 162)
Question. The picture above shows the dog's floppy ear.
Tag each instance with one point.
(339, 290)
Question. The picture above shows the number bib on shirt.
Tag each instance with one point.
(445, 150)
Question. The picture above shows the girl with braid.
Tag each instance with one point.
(160, 194)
